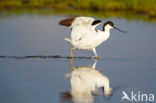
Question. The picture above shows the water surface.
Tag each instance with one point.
(128, 60)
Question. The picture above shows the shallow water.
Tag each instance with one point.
(34, 59)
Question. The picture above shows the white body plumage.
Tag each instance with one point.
(88, 38)
(84, 34)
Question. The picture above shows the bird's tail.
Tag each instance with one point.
(68, 40)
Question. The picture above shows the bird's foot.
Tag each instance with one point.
(71, 57)
(95, 57)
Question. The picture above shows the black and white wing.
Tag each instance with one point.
(80, 21)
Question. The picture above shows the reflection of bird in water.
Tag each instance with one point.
(84, 34)
(85, 81)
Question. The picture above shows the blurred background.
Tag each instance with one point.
(129, 9)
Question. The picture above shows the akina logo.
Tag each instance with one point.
(137, 97)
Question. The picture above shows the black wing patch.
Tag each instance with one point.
(96, 22)
(67, 22)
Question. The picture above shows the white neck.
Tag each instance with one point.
(102, 36)
(106, 34)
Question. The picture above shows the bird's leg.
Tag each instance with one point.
(94, 50)
(71, 53)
